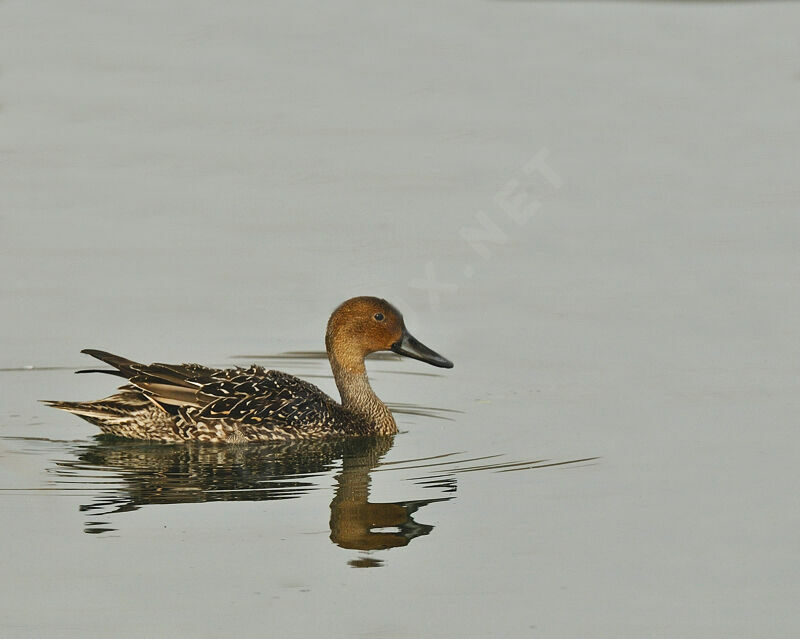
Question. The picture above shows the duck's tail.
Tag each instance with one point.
(145, 408)
(117, 406)
(128, 413)
(124, 367)
(115, 411)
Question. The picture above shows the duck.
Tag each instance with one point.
(189, 402)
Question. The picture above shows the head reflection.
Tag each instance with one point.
(191, 473)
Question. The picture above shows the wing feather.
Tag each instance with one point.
(250, 401)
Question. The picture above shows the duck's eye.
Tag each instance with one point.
(378, 316)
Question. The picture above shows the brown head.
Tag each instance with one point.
(364, 325)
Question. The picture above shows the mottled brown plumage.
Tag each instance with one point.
(178, 402)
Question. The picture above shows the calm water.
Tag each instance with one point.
(122, 476)
(281, 526)
(591, 208)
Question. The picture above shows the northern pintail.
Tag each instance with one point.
(180, 402)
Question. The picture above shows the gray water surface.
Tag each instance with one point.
(590, 207)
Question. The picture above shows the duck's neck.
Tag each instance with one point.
(358, 396)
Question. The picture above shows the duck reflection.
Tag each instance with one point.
(354, 517)
(145, 474)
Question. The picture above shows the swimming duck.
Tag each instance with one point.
(180, 402)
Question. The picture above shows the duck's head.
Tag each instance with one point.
(364, 325)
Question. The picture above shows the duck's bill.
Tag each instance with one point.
(411, 347)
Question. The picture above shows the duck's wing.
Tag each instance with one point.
(254, 401)
(265, 399)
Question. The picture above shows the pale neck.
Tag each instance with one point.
(359, 398)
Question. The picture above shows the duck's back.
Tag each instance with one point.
(256, 404)
(167, 402)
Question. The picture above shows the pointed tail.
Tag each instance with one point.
(125, 367)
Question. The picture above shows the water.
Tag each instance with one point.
(591, 208)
